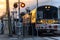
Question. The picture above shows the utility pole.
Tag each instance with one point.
(9, 19)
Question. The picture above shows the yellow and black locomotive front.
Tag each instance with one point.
(46, 14)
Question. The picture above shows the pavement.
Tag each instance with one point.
(6, 37)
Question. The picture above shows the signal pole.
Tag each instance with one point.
(9, 19)
(36, 16)
(19, 8)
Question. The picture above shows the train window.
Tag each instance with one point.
(51, 14)
(40, 14)
(54, 14)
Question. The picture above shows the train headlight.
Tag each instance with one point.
(45, 6)
(48, 6)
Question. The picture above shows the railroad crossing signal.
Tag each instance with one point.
(16, 5)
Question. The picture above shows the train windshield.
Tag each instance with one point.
(47, 13)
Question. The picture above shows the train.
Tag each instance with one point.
(46, 19)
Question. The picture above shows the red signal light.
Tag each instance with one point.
(15, 5)
(22, 5)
